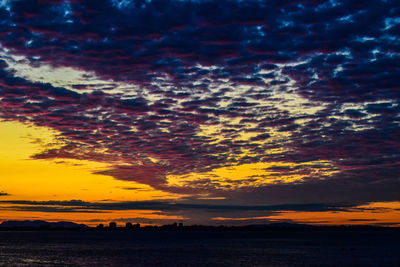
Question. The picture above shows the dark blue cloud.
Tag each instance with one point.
(303, 81)
(78, 205)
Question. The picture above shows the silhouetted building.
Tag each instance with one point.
(113, 225)
(129, 226)
(180, 225)
(175, 225)
(100, 226)
(136, 226)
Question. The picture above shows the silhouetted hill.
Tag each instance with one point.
(40, 224)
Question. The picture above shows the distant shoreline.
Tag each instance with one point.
(208, 228)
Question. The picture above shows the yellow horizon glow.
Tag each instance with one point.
(372, 213)
(24, 178)
(253, 175)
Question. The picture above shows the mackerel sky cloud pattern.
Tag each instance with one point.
(178, 94)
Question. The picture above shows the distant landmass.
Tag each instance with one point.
(40, 224)
(44, 225)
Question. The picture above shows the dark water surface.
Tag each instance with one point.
(200, 248)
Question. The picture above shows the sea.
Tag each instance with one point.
(200, 248)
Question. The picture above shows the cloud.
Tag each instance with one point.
(79, 206)
(223, 84)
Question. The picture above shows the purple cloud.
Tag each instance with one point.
(184, 87)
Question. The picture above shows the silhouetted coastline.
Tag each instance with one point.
(113, 226)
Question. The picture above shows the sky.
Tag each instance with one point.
(203, 112)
